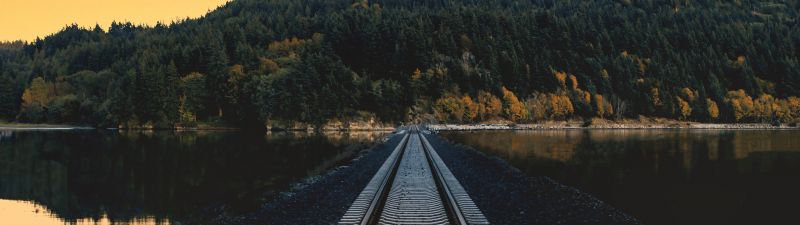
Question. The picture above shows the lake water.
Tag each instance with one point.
(664, 176)
(145, 177)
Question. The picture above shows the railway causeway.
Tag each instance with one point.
(413, 186)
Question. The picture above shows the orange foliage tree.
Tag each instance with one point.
(740, 103)
(604, 108)
(573, 82)
(448, 109)
(793, 107)
(561, 77)
(489, 106)
(713, 109)
(268, 65)
(470, 108)
(451, 108)
(560, 106)
(513, 109)
(684, 109)
(39, 94)
(763, 108)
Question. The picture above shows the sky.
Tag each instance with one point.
(28, 19)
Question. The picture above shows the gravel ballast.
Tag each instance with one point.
(508, 196)
(327, 198)
(503, 193)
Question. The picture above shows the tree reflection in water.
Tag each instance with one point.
(154, 177)
(664, 176)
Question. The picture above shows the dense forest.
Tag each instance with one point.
(254, 61)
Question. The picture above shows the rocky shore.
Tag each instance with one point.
(606, 124)
(505, 194)
(370, 124)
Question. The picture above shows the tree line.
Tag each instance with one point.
(250, 62)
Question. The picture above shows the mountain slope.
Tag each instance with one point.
(254, 61)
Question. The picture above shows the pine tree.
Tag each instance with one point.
(217, 78)
(8, 99)
(149, 86)
(170, 97)
(195, 94)
(120, 104)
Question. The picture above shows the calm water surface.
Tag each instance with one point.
(665, 176)
(116, 177)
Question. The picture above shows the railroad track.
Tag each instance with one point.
(413, 186)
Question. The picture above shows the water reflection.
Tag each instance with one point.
(664, 176)
(117, 177)
(28, 213)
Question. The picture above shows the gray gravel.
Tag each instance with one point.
(324, 200)
(508, 196)
(503, 193)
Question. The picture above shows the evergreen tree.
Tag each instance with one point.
(149, 89)
(171, 94)
(217, 79)
(8, 99)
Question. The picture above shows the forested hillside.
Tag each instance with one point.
(253, 61)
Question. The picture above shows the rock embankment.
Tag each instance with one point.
(323, 200)
(370, 124)
(503, 193)
(606, 124)
(508, 196)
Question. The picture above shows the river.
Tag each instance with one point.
(156, 177)
(664, 176)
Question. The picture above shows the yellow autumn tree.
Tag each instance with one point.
(416, 75)
(573, 82)
(713, 109)
(587, 97)
(740, 103)
(268, 65)
(561, 77)
(780, 110)
(470, 109)
(489, 106)
(513, 109)
(609, 109)
(688, 94)
(684, 109)
(763, 107)
(38, 94)
(289, 46)
(560, 106)
(285, 45)
(566, 105)
(448, 109)
(739, 62)
(603, 106)
(599, 103)
(793, 107)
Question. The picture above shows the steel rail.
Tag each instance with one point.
(458, 206)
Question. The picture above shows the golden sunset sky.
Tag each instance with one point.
(28, 19)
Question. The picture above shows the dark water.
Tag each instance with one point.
(88, 176)
(665, 176)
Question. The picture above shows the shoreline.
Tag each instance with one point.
(28, 126)
(71, 127)
(633, 126)
(497, 125)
